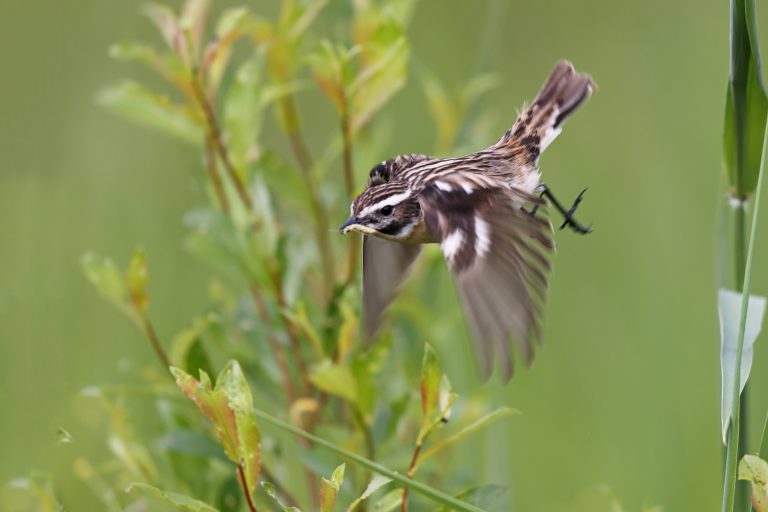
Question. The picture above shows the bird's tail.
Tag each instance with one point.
(539, 124)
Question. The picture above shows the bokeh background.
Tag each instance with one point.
(625, 392)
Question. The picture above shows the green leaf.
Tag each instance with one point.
(104, 275)
(389, 502)
(188, 350)
(483, 496)
(140, 105)
(330, 489)
(729, 308)
(484, 421)
(335, 379)
(385, 57)
(165, 20)
(430, 383)
(272, 493)
(755, 470)
(137, 279)
(377, 483)
(179, 501)
(232, 382)
(746, 102)
(244, 111)
(192, 22)
(228, 405)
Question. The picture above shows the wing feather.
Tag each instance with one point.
(385, 267)
(499, 255)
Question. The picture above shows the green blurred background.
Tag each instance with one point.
(626, 390)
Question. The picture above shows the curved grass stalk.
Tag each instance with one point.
(731, 460)
(423, 489)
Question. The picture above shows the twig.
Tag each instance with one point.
(213, 172)
(214, 132)
(149, 331)
(246, 491)
(299, 148)
(353, 249)
(411, 471)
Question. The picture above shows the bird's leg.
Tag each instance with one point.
(568, 219)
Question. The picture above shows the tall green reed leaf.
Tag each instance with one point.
(745, 119)
(730, 496)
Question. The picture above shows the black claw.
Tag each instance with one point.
(568, 219)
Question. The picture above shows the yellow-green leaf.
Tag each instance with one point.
(103, 274)
(335, 379)
(137, 279)
(755, 470)
(178, 501)
(330, 489)
(430, 383)
(377, 483)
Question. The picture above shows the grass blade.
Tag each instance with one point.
(423, 489)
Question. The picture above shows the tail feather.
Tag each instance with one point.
(540, 123)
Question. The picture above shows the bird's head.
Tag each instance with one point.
(390, 210)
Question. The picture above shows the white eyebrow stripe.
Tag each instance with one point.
(390, 201)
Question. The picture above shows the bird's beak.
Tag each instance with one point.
(348, 225)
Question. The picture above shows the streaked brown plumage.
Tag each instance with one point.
(473, 207)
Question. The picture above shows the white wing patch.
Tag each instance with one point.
(445, 187)
(452, 243)
(483, 234)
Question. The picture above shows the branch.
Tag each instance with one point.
(353, 249)
(246, 491)
(214, 133)
(299, 148)
(213, 172)
(154, 340)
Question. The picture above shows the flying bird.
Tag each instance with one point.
(483, 210)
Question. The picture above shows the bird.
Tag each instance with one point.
(474, 206)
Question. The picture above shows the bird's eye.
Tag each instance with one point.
(386, 211)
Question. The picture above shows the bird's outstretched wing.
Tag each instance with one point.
(500, 257)
(385, 267)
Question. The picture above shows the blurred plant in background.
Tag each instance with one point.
(741, 314)
(283, 320)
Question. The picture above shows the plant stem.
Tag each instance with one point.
(743, 490)
(410, 473)
(299, 147)
(213, 172)
(729, 490)
(246, 491)
(423, 489)
(154, 340)
(353, 249)
(214, 134)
